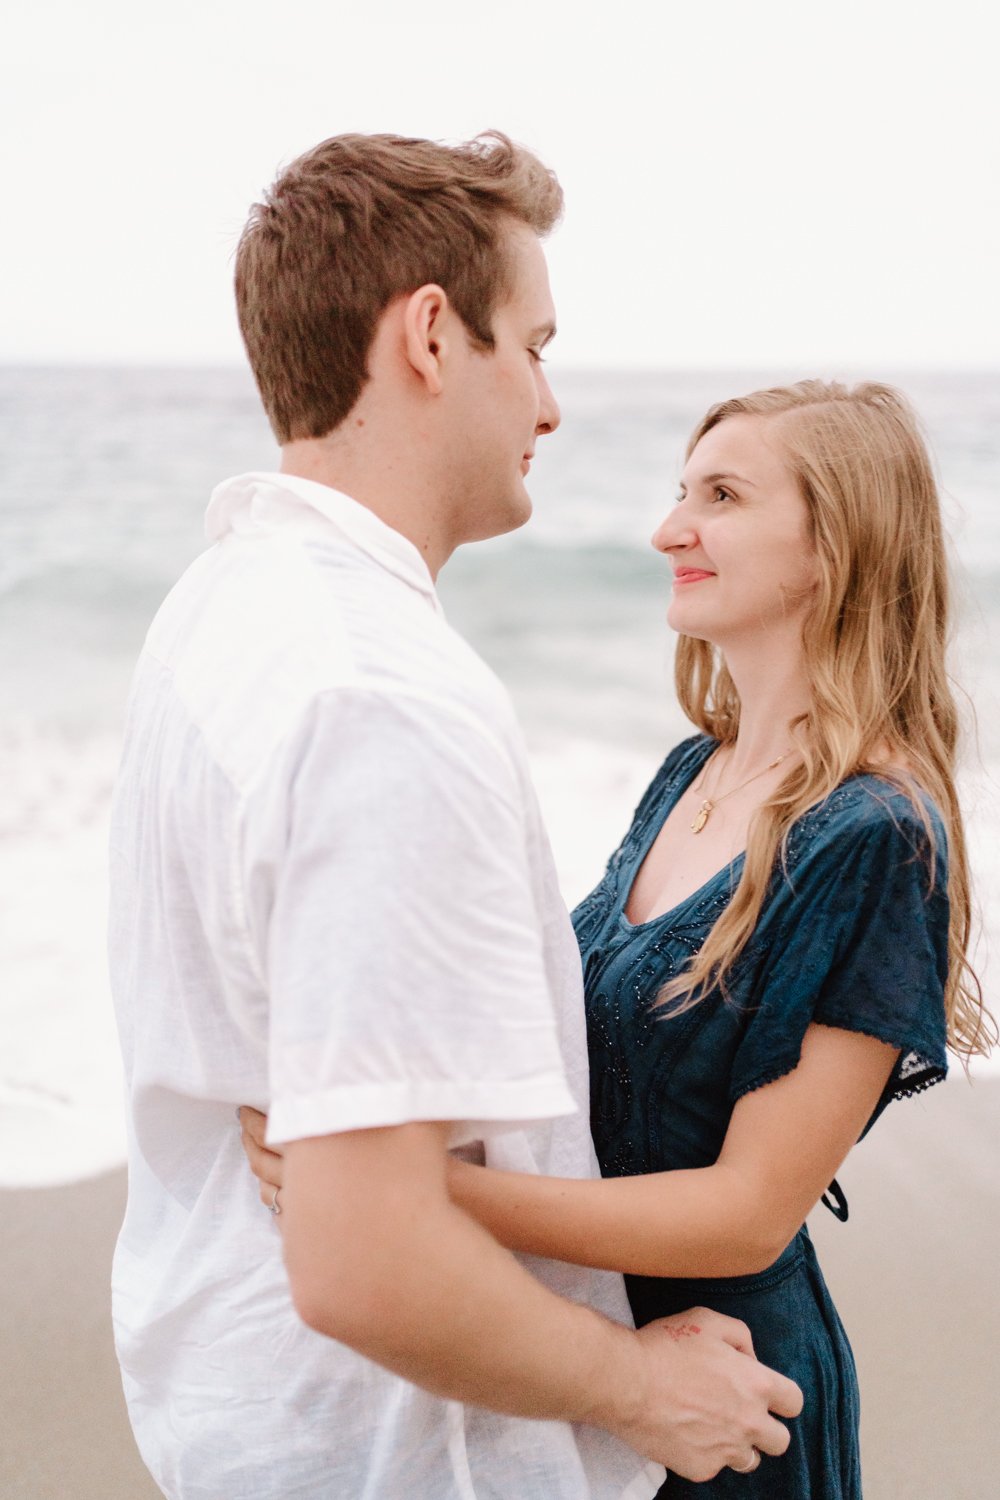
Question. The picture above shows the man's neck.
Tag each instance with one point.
(399, 498)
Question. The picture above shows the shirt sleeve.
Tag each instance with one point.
(863, 945)
(405, 962)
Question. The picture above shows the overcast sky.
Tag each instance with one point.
(747, 184)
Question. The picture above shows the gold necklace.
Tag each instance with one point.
(708, 807)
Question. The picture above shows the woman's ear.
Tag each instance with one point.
(426, 333)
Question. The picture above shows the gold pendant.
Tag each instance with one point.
(701, 817)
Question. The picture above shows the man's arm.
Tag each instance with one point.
(380, 1259)
(405, 871)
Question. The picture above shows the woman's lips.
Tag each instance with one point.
(691, 575)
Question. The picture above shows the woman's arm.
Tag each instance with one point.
(784, 1145)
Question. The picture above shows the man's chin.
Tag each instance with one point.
(523, 511)
(501, 519)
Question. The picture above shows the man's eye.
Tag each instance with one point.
(536, 355)
(721, 494)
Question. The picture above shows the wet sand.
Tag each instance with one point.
(914, 1274)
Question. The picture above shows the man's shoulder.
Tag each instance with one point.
(254, 634)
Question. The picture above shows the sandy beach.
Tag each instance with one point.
(914, 1276)
(64, 1434)
(913, 1273)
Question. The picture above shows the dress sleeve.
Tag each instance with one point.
(404, 952)
(861, 943)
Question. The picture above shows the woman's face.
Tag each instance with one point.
(738, 539)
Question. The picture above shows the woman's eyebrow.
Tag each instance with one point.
(715, 478)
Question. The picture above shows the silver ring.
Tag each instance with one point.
(274, 1207)
(751, 1467)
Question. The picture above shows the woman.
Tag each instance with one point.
(777, 949)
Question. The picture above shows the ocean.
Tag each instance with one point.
(104, 477)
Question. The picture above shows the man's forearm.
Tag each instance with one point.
(380, 1259)
(388, 1265)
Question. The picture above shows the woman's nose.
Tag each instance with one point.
(674, 531)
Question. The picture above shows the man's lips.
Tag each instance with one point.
(691, 575)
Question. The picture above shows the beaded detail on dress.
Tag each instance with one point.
(826, 948)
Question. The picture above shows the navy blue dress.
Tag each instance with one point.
(853, 936)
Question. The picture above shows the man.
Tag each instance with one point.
(333, 897)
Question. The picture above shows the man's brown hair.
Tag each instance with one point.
(357, 222)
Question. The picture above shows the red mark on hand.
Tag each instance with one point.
(682, 1331)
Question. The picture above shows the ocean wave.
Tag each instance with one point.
(60, 1074)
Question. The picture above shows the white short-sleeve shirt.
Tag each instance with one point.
(331, 897)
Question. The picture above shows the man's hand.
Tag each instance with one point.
(708, 1404)
(695, 1398)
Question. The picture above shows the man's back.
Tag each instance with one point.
(295, 661)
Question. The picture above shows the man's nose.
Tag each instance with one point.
(549, 415)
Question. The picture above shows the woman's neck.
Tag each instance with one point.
(773, 692)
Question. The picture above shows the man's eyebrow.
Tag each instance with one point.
(715, 478)
(543, 335)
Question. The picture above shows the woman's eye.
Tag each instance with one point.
(536, 356)
(720, 494)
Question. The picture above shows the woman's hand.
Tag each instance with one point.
(267, 1166)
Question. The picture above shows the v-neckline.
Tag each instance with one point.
(680, 786)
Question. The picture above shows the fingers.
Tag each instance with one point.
(253, 1123)
(730, 1330)
(783, 1395)
(738, 1336)
(703, 1362)
(769, 1437)
(267, 1166)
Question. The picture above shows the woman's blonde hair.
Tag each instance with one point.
(874, 643)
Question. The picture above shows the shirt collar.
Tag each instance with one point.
(261, 502)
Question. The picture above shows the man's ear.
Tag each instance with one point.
(428, 324)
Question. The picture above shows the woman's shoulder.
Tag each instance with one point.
(686, 756)
(872, 800)
(872, 817)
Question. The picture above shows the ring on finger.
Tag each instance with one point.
(751, 1466)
